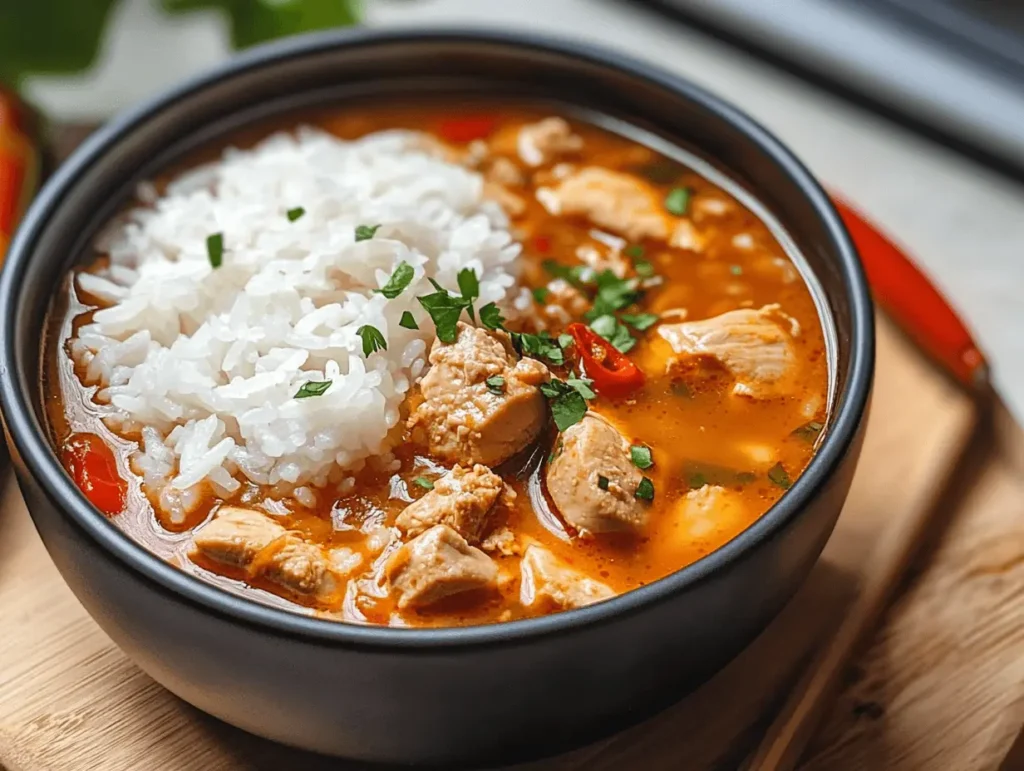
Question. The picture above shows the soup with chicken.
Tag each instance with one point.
(436, 366)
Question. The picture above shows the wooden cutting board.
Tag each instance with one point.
(70, 700)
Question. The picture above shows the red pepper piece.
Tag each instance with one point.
(463, 130)
(542, 244)
(613, 373)
(91, 464)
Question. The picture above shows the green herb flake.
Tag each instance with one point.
(540, 346)
(215, 249)
(398, 282)
(573, 274)
(808, 431)
(645, 490)
(565, 340)
(583, 386)
(617, 334)
(678, 201)
(777, 476)
(634, 251)
(496, 385)
(469, 286)
(736, 270)
(295, 214)
(640, 321)
(643, 269)
(697, 474)
(490, 317)
(641, 456)
(423, 482)
(613, 294)
(312, 388)
(366, 232)
(540, 294)
(567, 404)
(373, 340)
(602, 482)
(408, 322)
(444, 311)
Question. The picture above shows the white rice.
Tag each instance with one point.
(202, 364)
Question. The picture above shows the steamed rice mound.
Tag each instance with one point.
(202, 364)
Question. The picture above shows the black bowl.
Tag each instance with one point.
(428, 696)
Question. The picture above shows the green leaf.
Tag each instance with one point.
(567, 404)
(444, 310)
(582, 386)
(697, 474)
(777, 476)
(215, 249)
(565, 340)
(490, 317)
(736, 270)
(615, 333)
(808, 431)
(408, 322)
(294, 214)
(613, 294)
(540, 346)
(540, 294)
(641, 456)
(634, 251)
(366, 232)
(256, 21)
(423, 482)
(678, 201)
(645, 490)
(602, 482)
(573, 274)
(398, 282)
(643, 268)
(469, 287)
(640, 321)
(496, 385)
(373, 340)
(312, 388)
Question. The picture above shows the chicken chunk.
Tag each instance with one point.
(438, 564)
(464, 419)
(754, 345)
(709, 510)
(540, 143)
(613, 200)
(463, 499)
(263, 548)
(549, 582)
(592, 451)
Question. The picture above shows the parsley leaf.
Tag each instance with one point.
(366, 232)
(641, 456)
(777, 476)
(373, 340)
(645, 490)
(408, 322)
(698, 474)
(808, 431)
(398, 282)
(615, 333)
(565, 340)
(602, 482)
(634, 251)
(540, 294)
(490, 317)
(640, 321)
(215, 249)
(539, 347)
(736, 270)
(294, 214)
(613, 294)
(678, 200)
(582, 385)
(469, 286)
(423, 482)
(643, 268)
(444, 310)
(573, 274)
(312, 388)
(496, 385)
(567, 404)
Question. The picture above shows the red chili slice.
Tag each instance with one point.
(91, 464)
(611, 370)
(463, 130)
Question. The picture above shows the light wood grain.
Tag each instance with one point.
(70, 700)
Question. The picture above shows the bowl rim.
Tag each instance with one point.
(39, 458)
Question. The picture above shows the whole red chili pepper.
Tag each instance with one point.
(613, 373)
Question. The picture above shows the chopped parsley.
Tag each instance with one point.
(490, 317)
(640, 321)
(540, 294)
(568, 404)
(398, 282)
(215, 249)
(634, 251)
(496, 385)
(444, 310)
(645, 490)
(423, 482)
(641, 456)
(373, 340)
(643, 268)
(565, 340)
(583, 385)
(678, 201)
(408, 322)
(736, 270)
(469, 286)
(366, 232)
(574, 274)
(602, 482)
(613, 294)
(808, 431)
(615, 333)
(294, 214)
(777, 476)
(540, 346)
(698, 474)
(312, 388)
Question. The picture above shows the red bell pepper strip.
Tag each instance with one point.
(464, 130)
(614, 375)
(91, 464)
